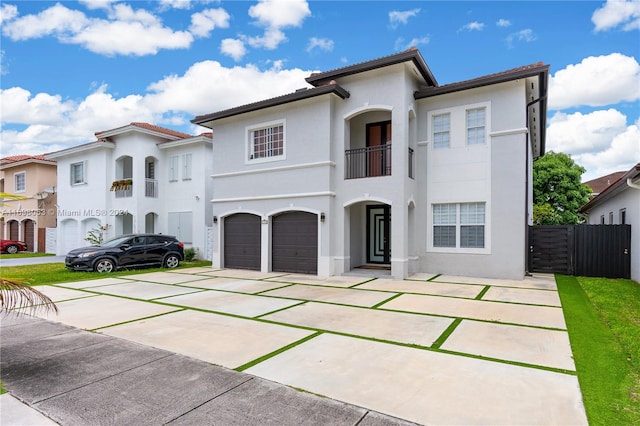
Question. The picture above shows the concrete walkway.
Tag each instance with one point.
(432, 350)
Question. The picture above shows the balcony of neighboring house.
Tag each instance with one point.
(150, 181)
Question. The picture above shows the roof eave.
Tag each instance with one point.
(334, 89)
(613, 189)
(80, 148)
(408, 55)
(134, 128)
(20, 163)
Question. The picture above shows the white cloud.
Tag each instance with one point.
(7, 12)
(175, 4)
(320, 43)
(202, 23)
(400, 43)
(473, 26)
(57, 20)
(271, 38)
(97, 4)
(617, 12)
(397, 17)
(525, 35)
(600, 141)
(33, 124)
(280, 13)
(233, 47)
(596, 81)
(503, 23)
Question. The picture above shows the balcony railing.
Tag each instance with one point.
(151, 188)
(368, 162)
(124, 193)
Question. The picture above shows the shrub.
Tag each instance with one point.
(189, 254)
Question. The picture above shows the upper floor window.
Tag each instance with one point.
(602, 220)
(441, 130)
(610, 218)
(173, 168)
(475, 126)
(266, 141)
(20, 181)
(76, 173)
(623, 216)
(186, 166)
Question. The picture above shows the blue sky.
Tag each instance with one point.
(70, 69)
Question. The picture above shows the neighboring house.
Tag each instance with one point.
(619, 204)
(32, 177)
(600, 184)
(135, 178)
(378, 166)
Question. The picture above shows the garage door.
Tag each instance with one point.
(242, 241)
(295, 243)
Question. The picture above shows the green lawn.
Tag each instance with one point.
(51, 273)
(23, 254)
(603, 319)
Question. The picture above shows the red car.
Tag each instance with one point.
(11, 246)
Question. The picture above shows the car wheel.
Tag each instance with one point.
(11, 249)
(104, 266)
(171, 261)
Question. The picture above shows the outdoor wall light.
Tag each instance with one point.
(215, 220)
(322, 217)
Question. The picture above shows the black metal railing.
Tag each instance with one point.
(368, 162)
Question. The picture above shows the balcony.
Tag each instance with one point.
(151, 188)
(372, 161)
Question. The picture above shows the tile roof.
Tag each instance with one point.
(600, 184)
(614, 188)
(151, 127)
(16, 158)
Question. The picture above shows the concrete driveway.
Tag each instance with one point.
(431, 350)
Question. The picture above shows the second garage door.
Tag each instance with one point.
(295, 243)
(242, 241)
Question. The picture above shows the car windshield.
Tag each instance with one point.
(115, 242)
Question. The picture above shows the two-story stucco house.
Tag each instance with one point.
(377, 165)
(32, 177)
(619, 204)
(135, 178)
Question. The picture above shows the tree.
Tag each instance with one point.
(557, 190)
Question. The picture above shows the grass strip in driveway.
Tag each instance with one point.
(276, 352)
(605, 374)
(440, 340)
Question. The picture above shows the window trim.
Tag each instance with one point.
(458, 226)
(15, 181)
(448, 131)
(174, 169)
(84, 173)
(187, 166)
(623, 216)
(248, 146)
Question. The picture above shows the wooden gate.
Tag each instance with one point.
(585, 250)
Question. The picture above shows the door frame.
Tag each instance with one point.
(371, 239)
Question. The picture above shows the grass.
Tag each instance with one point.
(23, 254)
(52, 273)
(603, 319)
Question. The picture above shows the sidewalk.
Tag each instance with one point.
(7, 260)
(81, 378)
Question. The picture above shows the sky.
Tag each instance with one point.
(71, 69)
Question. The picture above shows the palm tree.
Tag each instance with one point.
(17, 294)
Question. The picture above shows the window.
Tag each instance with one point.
(77, 173)
(466, 220)
(173, 168)
(186, 166)
(602, 220)
(610, 218)
(441, 127)
(20, 181)
(623, 216)
(475, 126)
(266, 142)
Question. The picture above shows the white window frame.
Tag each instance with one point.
(83, 177)
(173, 169)
(435, 131)
(186, 166)
(24, 181)
(249, 143)
(472, 126)
(433, 222)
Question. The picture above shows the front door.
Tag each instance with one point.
(378, 234)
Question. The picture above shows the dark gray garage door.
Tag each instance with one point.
(295, 243)
(242, 241)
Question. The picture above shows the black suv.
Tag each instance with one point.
(127, 251)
